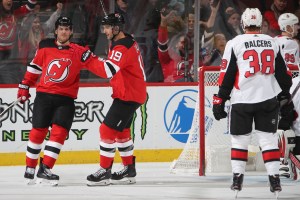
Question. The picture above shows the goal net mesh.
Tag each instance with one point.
(217, 137)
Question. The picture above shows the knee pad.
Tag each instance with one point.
(107, 134)
(123, 136)
(269, 145)
(286, 142)
(240, 141)
(37, 135)
(58, 134)
(239, 147)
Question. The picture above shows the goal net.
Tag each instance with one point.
(209, 144)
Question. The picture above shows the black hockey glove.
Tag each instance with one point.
(218, 107)
(287, 116)
(283, 98)
(286, 112)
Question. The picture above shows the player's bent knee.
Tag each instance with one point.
(37, 135)
(240, 141)
(107, 133)
(58, 134)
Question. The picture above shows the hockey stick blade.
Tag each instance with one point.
(295, 160)
(10, 106)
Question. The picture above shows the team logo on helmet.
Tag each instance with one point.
(287, 19)
(251, 17)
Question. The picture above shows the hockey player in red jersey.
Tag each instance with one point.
(129, 92)
(57, 63)
(253, 73)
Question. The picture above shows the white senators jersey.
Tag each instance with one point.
(253, 70)
(296, 101)
(289, 51)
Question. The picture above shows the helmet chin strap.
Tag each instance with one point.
(114, 30)
(293, 32)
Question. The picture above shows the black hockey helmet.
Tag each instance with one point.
(63, 21)
(113, 19)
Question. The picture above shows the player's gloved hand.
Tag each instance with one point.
(283, 98)
(218, 107)
(287, 118)
(23, 92)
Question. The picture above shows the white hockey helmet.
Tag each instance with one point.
(251, 17)
(287, 19)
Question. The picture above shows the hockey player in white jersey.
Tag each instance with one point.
(289, 136)
(254, 78)
(288, 23)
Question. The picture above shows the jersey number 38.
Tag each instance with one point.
(263, 62)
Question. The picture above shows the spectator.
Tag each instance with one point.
(218, 51)
(10, 71)
(209, 36)
(231, 26)
(172, 54)
(278, 7)
(125, 8)
(268, 29)
(8, 19)
(32, 32)
(153, 70)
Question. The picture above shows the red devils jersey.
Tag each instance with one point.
(60, 66)
(172, 62)
(8, 23)
(126, 66)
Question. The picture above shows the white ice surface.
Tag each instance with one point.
(153, 182)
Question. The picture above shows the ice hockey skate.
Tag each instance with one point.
(237, 183)
(125, 176)
(29, 175)
(99, 178)
(275, 186)
(45, 176)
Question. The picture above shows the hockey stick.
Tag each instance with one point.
(294, 160)
(10, 106)
(294, 92)
(103, 8)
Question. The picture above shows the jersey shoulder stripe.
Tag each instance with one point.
(47, 43)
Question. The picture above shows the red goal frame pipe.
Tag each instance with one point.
(201, 94)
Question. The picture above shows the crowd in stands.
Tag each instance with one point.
(164, 30)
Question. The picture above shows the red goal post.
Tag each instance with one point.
(208, 77)
(209, 144)
(202, 84)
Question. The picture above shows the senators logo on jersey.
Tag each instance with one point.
(58, 70)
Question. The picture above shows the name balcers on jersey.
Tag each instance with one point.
(251, 55)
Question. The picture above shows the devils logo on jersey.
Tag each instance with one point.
(58, 70)
(7, 31)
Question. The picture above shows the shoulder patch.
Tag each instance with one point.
(85, 55)
(47, 43)
(127, 42)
